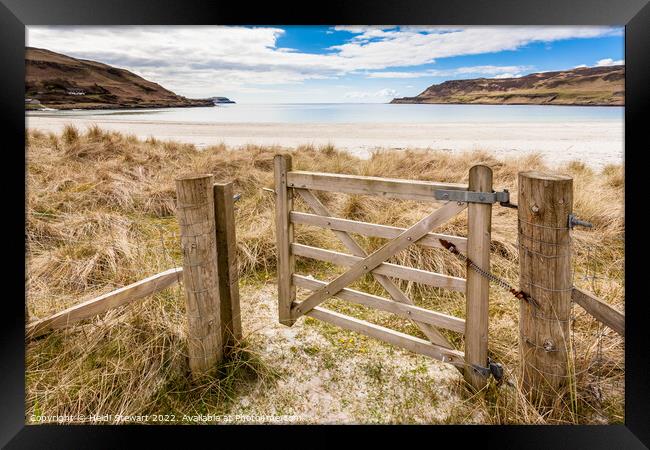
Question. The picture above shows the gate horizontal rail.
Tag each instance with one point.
(392, 270)
(356, 184)
(403, 310)
(373, 230)
(397, 338)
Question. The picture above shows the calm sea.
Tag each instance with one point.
(351, 113)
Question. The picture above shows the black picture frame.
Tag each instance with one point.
(633, 14)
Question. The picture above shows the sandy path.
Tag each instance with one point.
(595, 143)
(329, 375)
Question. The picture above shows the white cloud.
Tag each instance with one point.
(580, 66)
(415, 46)
(497, 71)
(381, 94)
(609, 62)
(362, 28)
(399, 74)
(507, 75)
(214, 60)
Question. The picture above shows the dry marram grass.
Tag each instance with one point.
(101, 215)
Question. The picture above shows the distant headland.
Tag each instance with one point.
(584, 86)
(57, 81)
(218, 100)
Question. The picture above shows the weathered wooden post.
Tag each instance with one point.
(479, 216)
(545, 202)
(224, 214)
(195, 212)
(284, 238)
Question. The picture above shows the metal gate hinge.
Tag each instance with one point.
(573, 221)
(502, 197)
(494, 369)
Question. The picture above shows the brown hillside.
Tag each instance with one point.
(50, 76)
(595, 86)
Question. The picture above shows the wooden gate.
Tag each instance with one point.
(288, 183)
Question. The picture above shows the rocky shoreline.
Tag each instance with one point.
(105, 106)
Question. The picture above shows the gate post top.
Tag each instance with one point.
(480, 167)
(549, 176)
(480, 178)
(193, 176)
(284, 156)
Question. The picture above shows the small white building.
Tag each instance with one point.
(75, 91)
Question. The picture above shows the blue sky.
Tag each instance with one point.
(321, 64)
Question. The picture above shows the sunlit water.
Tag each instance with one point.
(356, 113)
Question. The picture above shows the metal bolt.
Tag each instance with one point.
(481, 197)
(459, 203)
(445, 196)
(548, 345)
(408, 238)
(365, 267)
(327, 292)
(535, 208)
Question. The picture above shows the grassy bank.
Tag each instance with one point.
(101, 215)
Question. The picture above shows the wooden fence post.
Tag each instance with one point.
(545, 202)
(284, 238)
(479, 216)
(224, 215)
(195, 212)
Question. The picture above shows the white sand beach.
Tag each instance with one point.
(596, 143)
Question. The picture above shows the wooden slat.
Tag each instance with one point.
(373, 229)
(380, 255)
(284, 238)
(600, 310)
(403, 340)
(479, 225)
(395, 292)
(403, 310)
(224, 218)
(356, 184)
(389, 269)
(103, 303)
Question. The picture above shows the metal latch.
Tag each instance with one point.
(502, 197)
